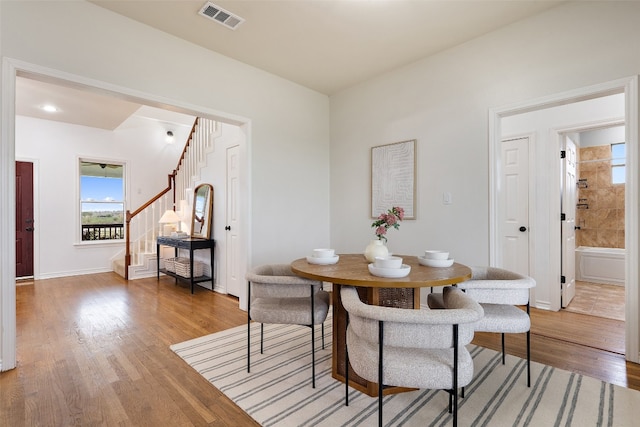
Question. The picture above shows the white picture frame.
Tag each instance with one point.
(393, 178)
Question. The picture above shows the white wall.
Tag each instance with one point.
(611, 135)
(141, 139)
(287, 125)
(443, 101)
(590, 113)
(55, 148)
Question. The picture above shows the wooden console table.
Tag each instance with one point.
(191, 244)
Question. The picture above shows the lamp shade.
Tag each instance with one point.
(169, 217)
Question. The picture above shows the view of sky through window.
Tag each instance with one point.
(101, 191)
(618, 158)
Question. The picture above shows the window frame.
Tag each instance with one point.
(618, 163)
(80, 202)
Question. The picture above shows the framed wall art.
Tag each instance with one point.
(393, 178)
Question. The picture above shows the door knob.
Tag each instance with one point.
(28, 229)
(523, 229)
(228, 228)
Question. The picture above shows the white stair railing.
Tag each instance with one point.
(146, 228)
(187, 172)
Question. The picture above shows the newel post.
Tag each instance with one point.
(127, 248)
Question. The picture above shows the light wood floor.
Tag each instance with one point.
(94, 350)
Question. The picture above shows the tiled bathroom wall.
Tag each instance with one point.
(600, 213)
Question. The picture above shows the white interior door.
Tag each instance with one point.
(569, 200)
(234, 279)
(514, 205)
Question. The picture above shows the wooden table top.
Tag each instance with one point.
(352, 269)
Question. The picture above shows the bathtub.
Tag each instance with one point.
(600, 265)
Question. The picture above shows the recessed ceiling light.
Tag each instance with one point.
(50, 108)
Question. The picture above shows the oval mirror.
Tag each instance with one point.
(202, 211)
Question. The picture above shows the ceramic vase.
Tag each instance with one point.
(374, 249)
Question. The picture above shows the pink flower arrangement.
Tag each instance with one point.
(387, 220)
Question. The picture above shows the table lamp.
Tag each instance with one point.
(169, 220)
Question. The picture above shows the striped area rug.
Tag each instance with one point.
(278, 390)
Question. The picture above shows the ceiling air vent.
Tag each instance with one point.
(221, 16)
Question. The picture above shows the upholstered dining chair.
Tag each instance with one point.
(499, 292)
(411, 348)
(277, 296)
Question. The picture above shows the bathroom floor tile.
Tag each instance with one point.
(598, 300)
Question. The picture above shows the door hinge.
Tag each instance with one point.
(563, 217)
(563, 279)
(563, 154)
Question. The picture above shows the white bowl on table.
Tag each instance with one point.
(324, 253)
(431, 254)
(435, 262)
(388, 262)
(392, 273)
(323, 261)
(323, 257)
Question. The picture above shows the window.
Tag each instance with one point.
(101, 200)
(618, 158)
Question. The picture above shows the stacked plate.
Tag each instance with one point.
(323, 257)
(390, 267)
(433, 258)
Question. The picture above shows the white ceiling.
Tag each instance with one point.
(75, 106)
(329, 45)
(325, 45)
(89, 107)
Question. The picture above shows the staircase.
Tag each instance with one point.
(139, 258)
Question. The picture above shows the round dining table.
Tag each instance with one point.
(399, 292)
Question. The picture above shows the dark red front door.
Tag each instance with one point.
(24, 219)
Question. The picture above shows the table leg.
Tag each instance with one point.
(339, 336)
(158, 261)
(213, 281)
(191, 267)
(175, 254)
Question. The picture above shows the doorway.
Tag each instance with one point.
(546, 254)
(142, 115)
(12, 71)
(599, 203)
(25, 220)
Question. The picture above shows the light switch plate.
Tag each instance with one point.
(447, 198)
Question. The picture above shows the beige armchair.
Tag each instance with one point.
(277, 296)
(499, 292)
(412, 348)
